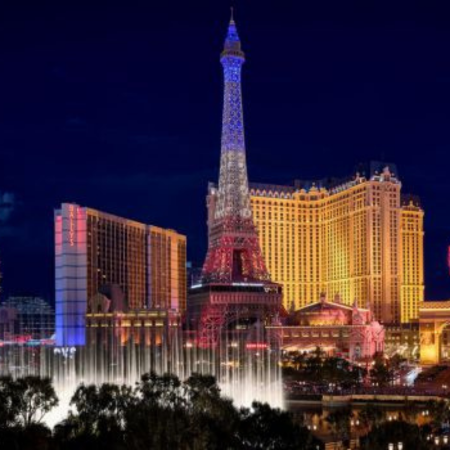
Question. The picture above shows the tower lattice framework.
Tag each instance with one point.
(235, 282)
(234, 253)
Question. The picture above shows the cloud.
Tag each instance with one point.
(7, 206)
(75, 122)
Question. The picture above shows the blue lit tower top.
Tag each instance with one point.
(232, 59)
(233, 194)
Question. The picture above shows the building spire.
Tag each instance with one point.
(232, 46)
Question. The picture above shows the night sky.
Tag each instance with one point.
(118, 107)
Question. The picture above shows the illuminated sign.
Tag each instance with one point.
(257, 346)
(66, 352)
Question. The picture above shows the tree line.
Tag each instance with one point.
(160, 412)
(318, 367)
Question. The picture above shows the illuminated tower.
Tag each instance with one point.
(235, 281)
(234, 252)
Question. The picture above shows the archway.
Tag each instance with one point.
(434, 329)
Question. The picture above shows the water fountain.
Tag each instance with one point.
(246, 371)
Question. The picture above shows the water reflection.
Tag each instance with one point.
(317, 417)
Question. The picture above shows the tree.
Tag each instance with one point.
(358, 374)
(158, 418)
(381, 373)
(165, 390)
(298, 360)
(99, 420)
(269, 428)
(214, 420)
(8, 403)
(32, 397)
(23, 404)
(335, 370)
(314, 365)
(317, 366)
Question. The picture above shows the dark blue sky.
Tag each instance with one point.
(118, 107)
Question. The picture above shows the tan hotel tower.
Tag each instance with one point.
(97, 252)
(358, 239)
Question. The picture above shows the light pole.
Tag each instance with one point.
(439, 441)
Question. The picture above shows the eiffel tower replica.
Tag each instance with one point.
(235, 292)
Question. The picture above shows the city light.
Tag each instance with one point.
(305, 318)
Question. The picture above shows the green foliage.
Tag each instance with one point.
(8, 403)
(23, 405)
(298, 360)
(161, 413)
(26, 400)
(268, 428)
(317, 366)
(99, 420)
(381, 373)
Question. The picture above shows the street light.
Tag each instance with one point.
(392, 446)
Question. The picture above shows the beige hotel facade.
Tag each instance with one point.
(358, 239)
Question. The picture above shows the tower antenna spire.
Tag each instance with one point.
(232, 14)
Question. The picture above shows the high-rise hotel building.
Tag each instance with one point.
(96, 252)
(358, 239)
